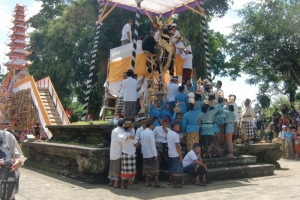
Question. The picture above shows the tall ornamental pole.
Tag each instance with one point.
(90, 80)
(205, 37)
(136, 31)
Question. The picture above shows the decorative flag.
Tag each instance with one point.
(69, 113)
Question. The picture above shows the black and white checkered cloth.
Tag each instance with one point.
(249, 129)
(128, 165)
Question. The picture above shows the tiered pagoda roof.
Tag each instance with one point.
(17, 54)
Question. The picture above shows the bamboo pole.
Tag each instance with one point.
(192, 9)
(108, 12)
(102, 13)
(170, 17)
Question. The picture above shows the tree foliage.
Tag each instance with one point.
(265, 44)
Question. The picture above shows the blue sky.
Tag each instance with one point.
(239, 87)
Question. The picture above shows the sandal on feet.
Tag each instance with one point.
(159, 186)
(110, 185)
(119, 186)
(200, 184)
(208, 182)
(132, 188)
(148, 185)
(176, 186)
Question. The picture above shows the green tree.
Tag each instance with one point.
(265, 44)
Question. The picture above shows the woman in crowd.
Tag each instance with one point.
(229, 121)
(154, 113)
(289, 146)
(284, 110)
(297, 143)
(271, 133)
(207, 129)
(281, 137)
(188, 86)
(216, 138)
(198, 102)
(182, 99)
(164, 111)
(190, 126)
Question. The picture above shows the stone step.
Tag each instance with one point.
(228, 162)
(234, 172)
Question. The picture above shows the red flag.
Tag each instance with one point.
(68, 111)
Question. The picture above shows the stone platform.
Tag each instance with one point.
(231, 168)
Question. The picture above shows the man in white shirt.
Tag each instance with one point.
(160, 134)
(150, 157)
(203, 86)
(172, 91)
(121, 97)
(175, 156)
(115, 155)
(246, 128)
(128, 162)
(193, 165)
(176, 34)
(232, 99)
(126, 33)
(130, 87)
(141, 129)
(219, 92)
(187, 56)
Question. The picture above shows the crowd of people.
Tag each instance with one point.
(191, 114)
(35, 133)
(285, 127)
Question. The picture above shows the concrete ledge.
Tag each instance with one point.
(226, 173)
(73, 161)
(227, 162)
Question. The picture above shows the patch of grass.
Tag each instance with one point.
(93, 123)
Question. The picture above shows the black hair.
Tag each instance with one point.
(220, 82)
(191, 106)
(196, 145)
(205, 108)
(197, 97)
(187, 79)
(134, 75)
(132, 119)
(220, 100)
(129, 73)
(149, 123)
(231, 108)
(181, 88)
(120, 122)
(174, 124)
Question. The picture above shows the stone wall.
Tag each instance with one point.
(88, 164)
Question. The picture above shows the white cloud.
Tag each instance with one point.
(238, 4)
(34, 9)
(224, 24)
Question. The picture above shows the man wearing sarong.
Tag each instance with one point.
(175, 156)
(130, 87)
(232, 99)
(160, 134)
(150, 158)
(128, 169)
(193, 165)
(121, 97)
(115, 155)
(246, 127)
